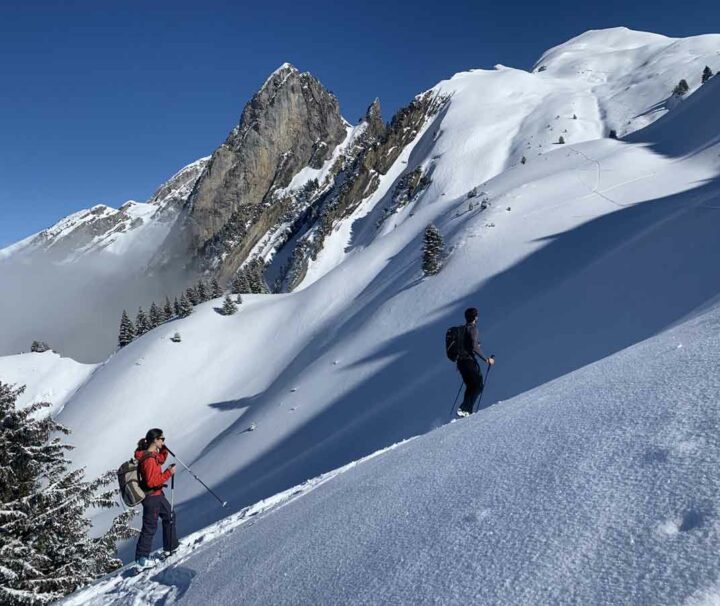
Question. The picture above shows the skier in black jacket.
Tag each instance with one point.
(468, 365)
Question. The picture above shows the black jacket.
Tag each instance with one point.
(471, 345)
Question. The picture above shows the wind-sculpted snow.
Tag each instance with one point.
(597, 488)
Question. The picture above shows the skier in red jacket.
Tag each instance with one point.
(151, 453)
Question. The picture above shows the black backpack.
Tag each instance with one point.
(454, 342)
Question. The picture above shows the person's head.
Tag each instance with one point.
(153, 440)
(471, 314)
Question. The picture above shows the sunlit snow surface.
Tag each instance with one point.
(582, 252)
(597, 488)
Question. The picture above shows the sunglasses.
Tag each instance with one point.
(161, 438)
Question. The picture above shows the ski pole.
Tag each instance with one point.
(456, 397)
(487, 374)
(172, 493)
(192, 473)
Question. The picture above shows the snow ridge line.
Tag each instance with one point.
(147, 588)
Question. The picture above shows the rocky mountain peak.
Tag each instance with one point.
(292, 122)
(373, 117)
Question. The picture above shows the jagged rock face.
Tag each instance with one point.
(359, 177)
(291, 123)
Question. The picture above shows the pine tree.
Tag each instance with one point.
(255, 273)
(202, 291)
(155, 317)
(215, 290)
(239, 283)
(613, 134)
(185, 307)
(707, 74)
(523, 160)
(238, 299)
(561, 140)
(176, 308)
(167, 311)
(433, 249)
(127, 330)
(192, 296)
(682, 88)
(45, 549)
(142, 324)
(229, 307)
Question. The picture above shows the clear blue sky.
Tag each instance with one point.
(101, 101)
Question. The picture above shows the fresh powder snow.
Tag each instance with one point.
(597, 488)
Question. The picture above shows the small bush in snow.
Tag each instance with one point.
(561, 140)
(613, 134)
(39, 347)
(229, 306)
(682, 88)
(176, 338)
(523, 160)
(707, 74)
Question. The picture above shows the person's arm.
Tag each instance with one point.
(477, 350)
(153, 474)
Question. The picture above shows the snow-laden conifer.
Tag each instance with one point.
(433, 249)
(127, 330)
(192, 296)
(155, 318)
(45, 549)
(229, 306)
(142, 324)
(167, 310)
(215, 290)
(185, 308)
(202, 291)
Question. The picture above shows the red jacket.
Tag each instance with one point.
(151, 473)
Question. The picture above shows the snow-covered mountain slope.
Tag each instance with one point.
(601, 81)
(576, 255)
(449, 140)
(68, 284)
(597, 488)
(48, 377)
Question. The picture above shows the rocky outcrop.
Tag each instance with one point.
(291, 123)
(377, 150)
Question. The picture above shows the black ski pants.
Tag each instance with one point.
(472, 377)
(154, 507)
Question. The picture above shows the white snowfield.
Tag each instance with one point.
(47, 377)
(587, 249)
(597, 488)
